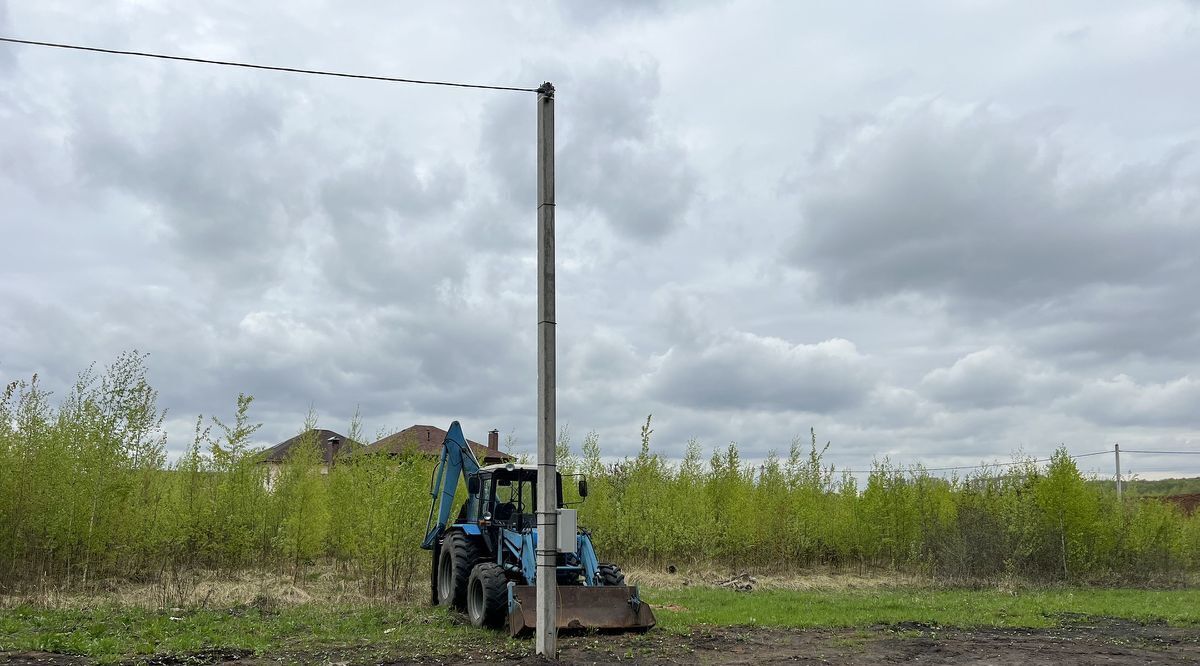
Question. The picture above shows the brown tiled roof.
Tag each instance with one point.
(427, 439)
(279, 452)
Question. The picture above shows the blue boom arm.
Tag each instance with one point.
(457, 462)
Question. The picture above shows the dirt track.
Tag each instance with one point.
(1084, 642)
(1080, 641)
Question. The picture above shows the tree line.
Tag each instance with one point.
(1030, 521)
(87, 493)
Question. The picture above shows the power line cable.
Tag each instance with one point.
(1166, 453)
(998, 464)
(274, 68)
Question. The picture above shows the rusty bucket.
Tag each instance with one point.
(605, 608)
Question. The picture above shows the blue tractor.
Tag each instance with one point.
(483, 562)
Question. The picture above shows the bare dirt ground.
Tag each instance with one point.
(1079, 641)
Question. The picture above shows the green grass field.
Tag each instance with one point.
(948, 607)
(114, 633)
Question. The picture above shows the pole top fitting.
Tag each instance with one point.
(546, 89)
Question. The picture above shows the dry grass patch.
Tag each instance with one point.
(212, 589)
(814, 579)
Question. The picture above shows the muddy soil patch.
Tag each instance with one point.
(1079, 640)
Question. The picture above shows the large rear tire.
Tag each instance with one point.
(610, 574)
(459, 555)
(487, 595)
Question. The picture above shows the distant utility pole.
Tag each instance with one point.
(1117, 452)
(547, 510)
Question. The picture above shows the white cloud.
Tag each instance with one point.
(1122, 401)
(993, 377)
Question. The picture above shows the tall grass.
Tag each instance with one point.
(86, 493)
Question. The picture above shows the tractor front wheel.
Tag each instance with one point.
(610, 574)
(459, 555)
(487, 595)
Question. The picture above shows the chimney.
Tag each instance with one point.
(335, 445)
(494, 440)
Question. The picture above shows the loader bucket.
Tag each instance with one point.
(605, 608)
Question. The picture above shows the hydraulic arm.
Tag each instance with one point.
(457, 462)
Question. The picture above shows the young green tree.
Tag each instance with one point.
(240, 498)
(301, 493)
(1069, 511)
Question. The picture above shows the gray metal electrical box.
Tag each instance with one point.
(568, 528)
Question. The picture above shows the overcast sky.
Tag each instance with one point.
(937, 232)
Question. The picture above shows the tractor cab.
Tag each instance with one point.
(506, 496)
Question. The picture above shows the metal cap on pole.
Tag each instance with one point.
(547, 499)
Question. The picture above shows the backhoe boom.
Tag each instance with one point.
(457, 462)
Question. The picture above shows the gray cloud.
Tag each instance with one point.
(889, 406)
(592, 12)
(393, 229)
(1106, 321)
(6, 57)
(745, 371)
(967, 203)
(213, 165)
(1122, 401)
(626, 167)
(631, 170)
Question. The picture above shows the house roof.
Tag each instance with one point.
(280, 452)
(427, 439)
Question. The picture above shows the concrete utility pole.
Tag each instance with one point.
(547, 500)
(1117, 451)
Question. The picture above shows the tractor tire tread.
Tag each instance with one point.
(610, 574)
(495, 593)
(465, 554)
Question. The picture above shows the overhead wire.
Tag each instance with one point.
(274, 68)
(1033, 461)
(917, 467)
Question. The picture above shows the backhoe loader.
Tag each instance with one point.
(483, 561)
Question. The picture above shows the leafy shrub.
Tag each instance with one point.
(86, 492)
